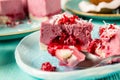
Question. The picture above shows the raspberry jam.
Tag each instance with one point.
(68, 20)
(48, 67)
(93, 45)
(62, 42)
(101, 31)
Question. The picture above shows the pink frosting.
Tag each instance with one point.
(40, 8)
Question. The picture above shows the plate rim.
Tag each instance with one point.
(21, 32)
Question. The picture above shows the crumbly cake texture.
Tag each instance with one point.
(65, 36)
(66, 29)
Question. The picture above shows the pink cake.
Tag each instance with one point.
(25, 5)
(11, 10)
(109, 42)
(63, 31)
(42, 8)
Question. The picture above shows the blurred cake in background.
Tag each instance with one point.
(42, 8)
(96, 2)
(11, 10)
(99, 6)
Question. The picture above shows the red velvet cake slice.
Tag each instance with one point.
(109, 42)
(42, 8)
(63, 31)
(11, 10)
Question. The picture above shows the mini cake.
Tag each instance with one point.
(99, 6)
(43, 8)
(109, 42)
(11, 10)
(63, 31)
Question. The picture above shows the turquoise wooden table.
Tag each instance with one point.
(8, 67)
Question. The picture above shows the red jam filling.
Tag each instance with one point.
(65, 39)
(68, 20)
(101, 31)
(111, 26)
(62, 42)
(93, 45)
(47, 67)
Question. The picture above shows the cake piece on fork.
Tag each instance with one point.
(109, 42)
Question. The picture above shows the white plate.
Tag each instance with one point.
(29, 57)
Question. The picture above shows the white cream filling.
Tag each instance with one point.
(72, 61)
(64, 53)
(86, 6)
(67, 56)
